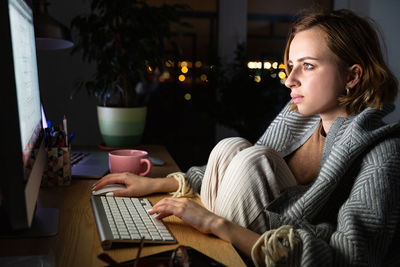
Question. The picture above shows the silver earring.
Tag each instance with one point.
(347, 90)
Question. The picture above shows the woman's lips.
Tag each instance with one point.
(296, 98)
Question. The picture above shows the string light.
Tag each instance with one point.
(257, 66)
(267, 65)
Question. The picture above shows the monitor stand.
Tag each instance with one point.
(44, 224)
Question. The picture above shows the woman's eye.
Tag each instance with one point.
(308, 66)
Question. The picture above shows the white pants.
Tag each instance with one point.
(241, 180)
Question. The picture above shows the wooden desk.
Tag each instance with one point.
(77, 242)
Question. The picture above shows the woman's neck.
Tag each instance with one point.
(327, 121)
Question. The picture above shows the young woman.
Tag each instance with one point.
(322, 185)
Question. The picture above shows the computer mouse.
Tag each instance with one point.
(156, 161)
(108, 188)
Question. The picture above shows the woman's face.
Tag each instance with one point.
(315, 80)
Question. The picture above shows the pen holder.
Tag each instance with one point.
(58, 169)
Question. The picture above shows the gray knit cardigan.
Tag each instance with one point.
(350, 215)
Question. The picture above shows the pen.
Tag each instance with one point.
(65, 130)
(71, 137)
(62, 142)
(49, 125)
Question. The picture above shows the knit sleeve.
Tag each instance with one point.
(366, 230)
(194, 176)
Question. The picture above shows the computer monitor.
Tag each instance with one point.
(23, 150)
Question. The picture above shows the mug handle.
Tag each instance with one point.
(148, 168)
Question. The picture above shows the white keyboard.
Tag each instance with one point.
(125, 220)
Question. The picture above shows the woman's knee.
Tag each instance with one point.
(231, 145)
(253, 154)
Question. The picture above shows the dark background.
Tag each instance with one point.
(238, 106)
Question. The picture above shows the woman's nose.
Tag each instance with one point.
(291, 80)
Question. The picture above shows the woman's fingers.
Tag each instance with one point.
(187, 210)
(103, 181)
(135, 185)
(167, 207)
(122, 193)
(113, 178)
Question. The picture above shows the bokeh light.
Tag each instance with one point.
(181, 78)
(198, 64)
(184, 69)
(267, 65)
(251, 65)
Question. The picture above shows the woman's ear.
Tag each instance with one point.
(354, 75)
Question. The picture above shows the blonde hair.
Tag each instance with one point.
(354, 41)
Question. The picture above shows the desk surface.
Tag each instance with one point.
(77, 242)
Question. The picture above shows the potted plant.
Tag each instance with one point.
(128, 40)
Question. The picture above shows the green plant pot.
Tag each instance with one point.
(121, 127)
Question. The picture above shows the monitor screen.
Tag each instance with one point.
(23, 154)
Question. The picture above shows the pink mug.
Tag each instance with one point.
(129, 160)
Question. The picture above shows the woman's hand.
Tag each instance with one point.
(189, 211)
(136, 185)
(206, 222)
